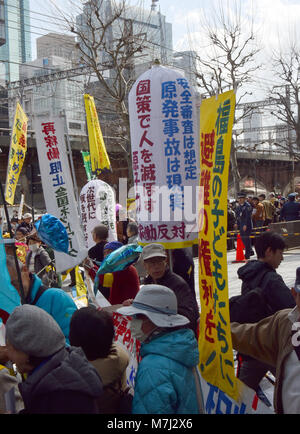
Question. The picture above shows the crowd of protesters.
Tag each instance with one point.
(63, 359)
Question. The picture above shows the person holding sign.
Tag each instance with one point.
(154, 259)
(55, 301)
(275, 341)
(164, 382)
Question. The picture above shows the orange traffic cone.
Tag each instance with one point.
(240, 257)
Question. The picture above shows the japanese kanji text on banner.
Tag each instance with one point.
(97, 205)
(58, 188)
(215, 346)
(165, 157)
(17, 152)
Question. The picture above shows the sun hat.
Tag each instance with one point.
(32, 330)
(152, 251)
(158, 303)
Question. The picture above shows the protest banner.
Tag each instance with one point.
(165, 157)
(17, 153)
(87, 164)
(218, 402)
(58, 188)
(97, 205)
(215, 345)
(98, 155)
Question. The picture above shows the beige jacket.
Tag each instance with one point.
(269, 341)
(112, 371)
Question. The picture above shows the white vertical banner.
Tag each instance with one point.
(97, 205)
(58, 187)
(165, 157)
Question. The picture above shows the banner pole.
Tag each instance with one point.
(71, 158)
(22, 295)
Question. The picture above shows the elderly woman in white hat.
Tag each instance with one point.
(165, 378)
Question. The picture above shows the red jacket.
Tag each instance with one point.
(126, 284)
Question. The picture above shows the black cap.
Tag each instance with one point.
(297, 281)
(241, 195)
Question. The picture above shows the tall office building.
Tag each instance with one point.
(138, 24)
(17, 47)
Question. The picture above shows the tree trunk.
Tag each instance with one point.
(234, 169)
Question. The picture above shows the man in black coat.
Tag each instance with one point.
(291, 209)
(244, 223)
(154, 258)
(100, 235)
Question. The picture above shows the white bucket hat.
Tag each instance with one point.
(159, 304)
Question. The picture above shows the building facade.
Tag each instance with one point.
(17, 47)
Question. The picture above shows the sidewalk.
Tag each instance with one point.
(287, 270)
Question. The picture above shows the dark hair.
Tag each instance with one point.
(101, 232)
(269, 239)
(133, 228)
(262, 195)
(255, 198)
(22, 230)
(93, 331)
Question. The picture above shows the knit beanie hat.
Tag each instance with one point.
(113, 245)
(32, 330)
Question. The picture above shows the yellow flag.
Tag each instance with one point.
(17, 153)
(99, 158)
(81, 291)
(215, 345)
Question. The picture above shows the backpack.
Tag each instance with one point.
(252, 306)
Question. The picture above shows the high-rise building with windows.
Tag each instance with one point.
(15, 14)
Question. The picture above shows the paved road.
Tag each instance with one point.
(287, 270)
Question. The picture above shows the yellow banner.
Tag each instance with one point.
(81, 291)
(99, 158)
(215, 345)
(17, 152)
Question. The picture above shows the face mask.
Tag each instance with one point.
(34, 247)
(136, 329)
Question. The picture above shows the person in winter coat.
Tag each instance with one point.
(100, 235)
(55, 301)
(59, 379)
(37, 259)
(155, 262)
(183, 265)
(262, 273)
(132, 234)
(244, 223)
(122, 284)
(275, 341)
(290, 210)
(164, 382)
(93, 331)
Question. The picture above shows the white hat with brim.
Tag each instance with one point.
(159, 304)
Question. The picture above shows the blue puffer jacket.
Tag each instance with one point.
(165, 383)
(56, 302)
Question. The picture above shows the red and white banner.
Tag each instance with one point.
(58, 187)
